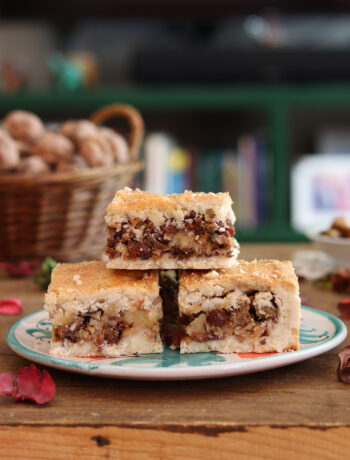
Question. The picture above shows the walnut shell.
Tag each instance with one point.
(23, 148)
(78, 163)
(76, 130)
(117, 143)
(9, 155)
(96, 151)
(53, 148)
(33, 165)
(23, 126)
(342, 226)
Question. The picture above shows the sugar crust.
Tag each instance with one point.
(263, 274)
(78, 288)
(94, 276)
(129, 204)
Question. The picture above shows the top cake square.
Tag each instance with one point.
(186, 230)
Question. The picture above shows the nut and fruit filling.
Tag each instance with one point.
(102, 329)
(92, 327)
(196, 235)
(250, 316)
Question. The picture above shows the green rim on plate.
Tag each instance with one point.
(171, 363)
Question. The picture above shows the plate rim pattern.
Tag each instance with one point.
(213, 370)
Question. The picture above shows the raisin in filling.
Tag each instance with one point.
(199, 235)
(93, 327)
(250, 320)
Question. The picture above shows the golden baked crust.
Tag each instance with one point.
(91, 277)
(128, 201)
(272, 273)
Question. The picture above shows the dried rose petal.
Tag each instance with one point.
(343, 370)
(7, 384)
(344, 308)
(20, 270)
(33, 385)
(10, 306)
(341, 280)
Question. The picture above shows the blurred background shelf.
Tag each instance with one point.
(274, 108)
(235, 94)
(193, 97)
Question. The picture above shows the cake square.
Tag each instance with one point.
(96, 311)
(253, 307)
(185, 230)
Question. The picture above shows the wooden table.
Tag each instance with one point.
(300, 411)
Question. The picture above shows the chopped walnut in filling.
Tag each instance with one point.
(92, 327)
(197, 235)
(250, 317)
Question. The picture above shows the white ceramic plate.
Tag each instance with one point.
(30, 338)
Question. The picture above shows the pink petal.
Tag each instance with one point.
(21, 269)
(7, 384)
(343, 370)
(344, 308)
(10, 306)
(33, 385)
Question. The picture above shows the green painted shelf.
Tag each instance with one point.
(275, 102)
(183, 97)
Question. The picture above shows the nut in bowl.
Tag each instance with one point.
(335, 241)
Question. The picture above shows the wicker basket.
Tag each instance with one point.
(62, 215)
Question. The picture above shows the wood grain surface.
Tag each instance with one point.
(299, 411)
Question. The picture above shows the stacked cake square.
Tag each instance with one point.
(179, 231)
(207, 300)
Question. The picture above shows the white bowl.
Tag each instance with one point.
(338, 248)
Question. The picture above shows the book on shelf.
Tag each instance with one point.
(243, 172)
(168, 166)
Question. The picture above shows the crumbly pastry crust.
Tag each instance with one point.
(231, 344)
(253, 307)
(97, 311)
(139, 343)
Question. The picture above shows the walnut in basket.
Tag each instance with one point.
(76, 130)
(9, 155)
(77, 163)
(23, 126)
(53, 148)
(27, 147)
(96, 151)
(117, 144)
(33, 166)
